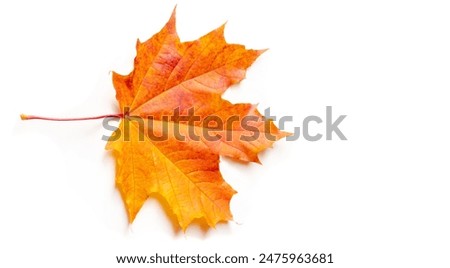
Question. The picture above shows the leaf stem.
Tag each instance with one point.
(34, 117)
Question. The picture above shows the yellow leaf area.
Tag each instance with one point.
(159, 149)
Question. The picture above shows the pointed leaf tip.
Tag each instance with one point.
(171, 24)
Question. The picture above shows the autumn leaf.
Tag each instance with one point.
(175, 124)
(169, 76)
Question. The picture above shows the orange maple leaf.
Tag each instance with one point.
(179, 159)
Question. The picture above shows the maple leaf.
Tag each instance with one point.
(175, 124)
(188, 78)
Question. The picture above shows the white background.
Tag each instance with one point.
(380, 199)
